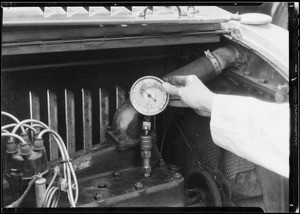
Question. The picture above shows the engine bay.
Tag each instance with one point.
(82, 137)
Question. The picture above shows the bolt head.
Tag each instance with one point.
(138, 186)
(116, 174)
(98, 196)
(177, 175)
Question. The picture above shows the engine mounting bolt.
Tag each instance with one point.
(116, 174)
(247, 73)
(161, 162)
(138, 186)
(262, 81)
(177, 175)
(98, 196)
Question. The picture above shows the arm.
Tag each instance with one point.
(253, 129)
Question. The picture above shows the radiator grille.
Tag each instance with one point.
(79, 116)
(232, 164)
(197, 130)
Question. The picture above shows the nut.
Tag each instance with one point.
(138, 186)
(177, 175)
(161, 162)
(247, 73)
(147, 170)
(98, 196)
(145, 154)
(116, 174)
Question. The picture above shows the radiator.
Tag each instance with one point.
(80, 116)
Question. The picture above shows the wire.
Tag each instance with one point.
(14, 124)
(19, 201)
(68, 170)
(12, 117)
(48, 196)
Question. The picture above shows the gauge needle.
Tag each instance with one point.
(149, 95)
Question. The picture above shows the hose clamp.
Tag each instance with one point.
(214, 61)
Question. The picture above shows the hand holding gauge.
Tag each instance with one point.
(148, 97)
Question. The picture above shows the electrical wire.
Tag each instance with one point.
(19, 201)
(14, 124)
(13, 118)
(49, 194)
(68, 170)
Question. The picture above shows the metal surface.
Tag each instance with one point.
(261, 39)
(126, 126)
(162, 189)
(231, 164)
(87, 118)
(246, 185)
(196, 129)
(145, 146)
(14, 16)
(275, 190)
(70, 121)
(52, 122)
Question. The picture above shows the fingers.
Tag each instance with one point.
(177, 80)
(171, 89)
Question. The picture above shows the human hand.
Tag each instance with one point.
(192, 92)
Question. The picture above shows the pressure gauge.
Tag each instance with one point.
(148, 97)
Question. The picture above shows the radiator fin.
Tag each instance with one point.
(70, 121)
(87, 118)
(52, 122)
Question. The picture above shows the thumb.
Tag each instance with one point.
(170, 89)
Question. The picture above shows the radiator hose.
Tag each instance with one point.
(209, 66)
(213, 63)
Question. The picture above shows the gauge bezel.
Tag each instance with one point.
(133, 104)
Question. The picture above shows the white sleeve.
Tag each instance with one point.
(255, 130)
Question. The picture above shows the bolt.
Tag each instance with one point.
(116, 174)
(161, 162)
(177, 175)
(247, 73)
(262, 81)
(138, 186)
(98, 196)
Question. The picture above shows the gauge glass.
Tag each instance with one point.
(148, 97)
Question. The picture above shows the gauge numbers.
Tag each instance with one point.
(148, 97)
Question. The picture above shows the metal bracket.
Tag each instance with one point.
(180, 12)
(214, 61)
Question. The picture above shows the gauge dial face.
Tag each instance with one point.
(148, 97)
